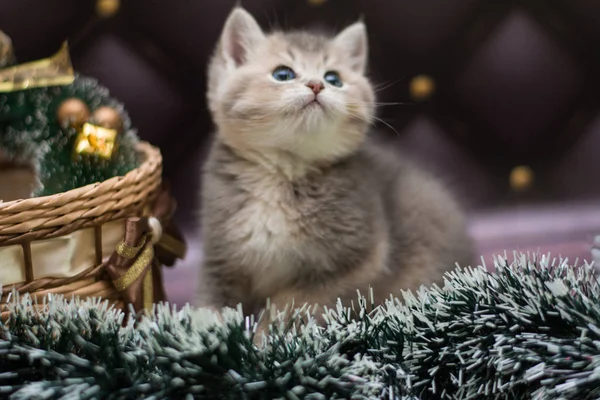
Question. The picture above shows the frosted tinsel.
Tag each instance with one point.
(530, 329)
(30, 134)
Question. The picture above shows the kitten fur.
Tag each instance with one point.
(297, 202)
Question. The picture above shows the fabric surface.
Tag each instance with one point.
(60, 257)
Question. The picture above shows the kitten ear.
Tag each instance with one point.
(240, 34)
(352, 42)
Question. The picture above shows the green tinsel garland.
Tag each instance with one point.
(531, 330)
(31, 134)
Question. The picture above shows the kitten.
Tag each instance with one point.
(297, 203)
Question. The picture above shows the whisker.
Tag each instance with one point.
(387, 124)
(381, 104)
(362, 119)
(358, 117)
(385, 85)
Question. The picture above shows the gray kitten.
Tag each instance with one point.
(297, 203)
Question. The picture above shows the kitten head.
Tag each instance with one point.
(293, 93)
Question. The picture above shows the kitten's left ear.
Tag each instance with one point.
(354, 44)
(240, 34)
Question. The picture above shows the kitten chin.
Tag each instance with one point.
(298, 204)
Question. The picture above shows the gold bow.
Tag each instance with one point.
(52, 71)
(134, 267)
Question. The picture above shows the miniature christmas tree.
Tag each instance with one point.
(65, 126)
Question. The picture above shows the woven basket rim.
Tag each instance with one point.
(151, 159)
(97, 203)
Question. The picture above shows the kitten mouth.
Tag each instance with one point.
(314, 103)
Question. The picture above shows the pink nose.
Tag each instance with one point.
(315, 86)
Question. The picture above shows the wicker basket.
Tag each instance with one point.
(30, 225)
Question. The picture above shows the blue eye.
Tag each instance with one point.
(284, 73)
(333, 78)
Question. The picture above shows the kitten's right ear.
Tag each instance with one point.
(240, 34)
(353, 43)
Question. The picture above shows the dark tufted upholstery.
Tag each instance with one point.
(516, 83)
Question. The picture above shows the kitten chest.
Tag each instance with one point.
(266, 228)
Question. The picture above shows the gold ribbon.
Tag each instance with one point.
(53, 71)
(134, 267)
(124, 250)
(134, 272)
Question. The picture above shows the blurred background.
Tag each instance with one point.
(499, 98)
